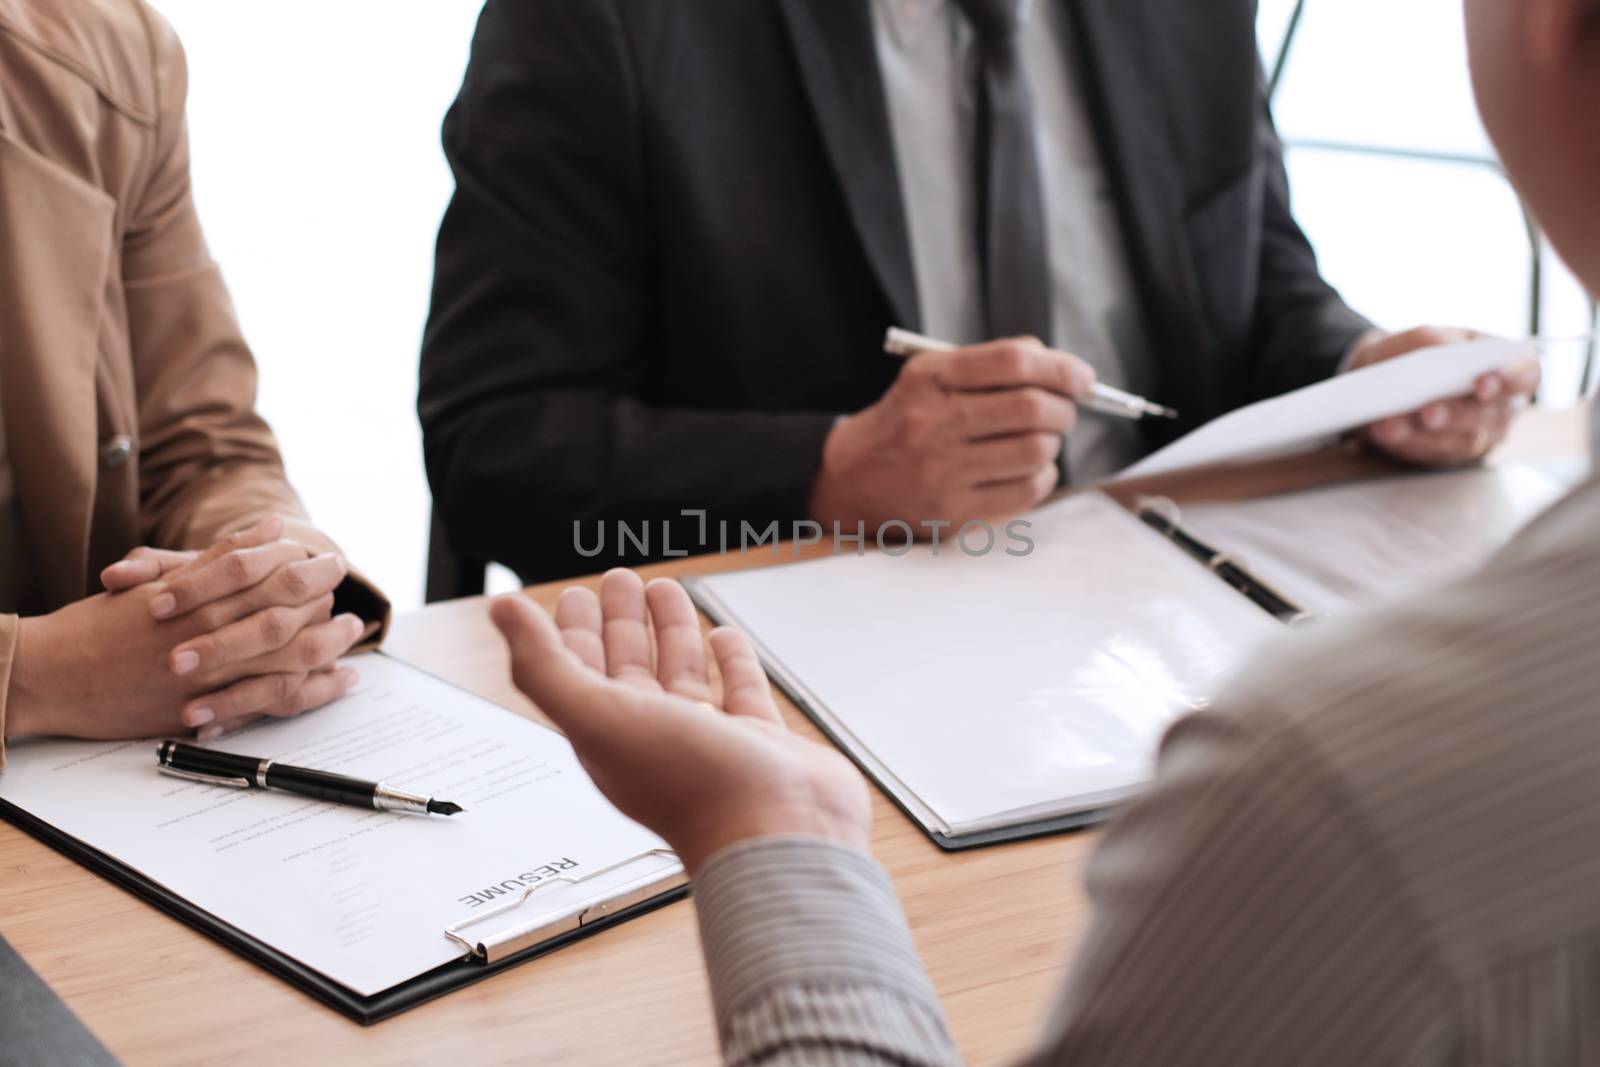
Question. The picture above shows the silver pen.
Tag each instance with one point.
(1104, 399)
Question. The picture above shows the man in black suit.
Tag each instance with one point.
(681, 229)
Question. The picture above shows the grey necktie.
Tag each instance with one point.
(1013, 237)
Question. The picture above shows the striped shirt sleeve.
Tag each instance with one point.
(811, 961)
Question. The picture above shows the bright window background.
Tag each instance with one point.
(320, 179)
(1410, 241)
(319, 176)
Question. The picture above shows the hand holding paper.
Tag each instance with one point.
(1391, 385)
(1453, 430)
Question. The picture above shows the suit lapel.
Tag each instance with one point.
(1122, 88)
(55, 254)
(838, 61)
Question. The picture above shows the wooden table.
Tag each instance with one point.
(994, 926)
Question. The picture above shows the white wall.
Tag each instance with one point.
(320, 180)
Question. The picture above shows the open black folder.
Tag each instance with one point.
(1019, 686)
(610, 870)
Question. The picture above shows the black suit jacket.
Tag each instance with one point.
(677, 239)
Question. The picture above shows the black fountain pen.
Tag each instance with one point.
(248, 772)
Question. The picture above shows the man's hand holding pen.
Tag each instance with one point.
(967, 434)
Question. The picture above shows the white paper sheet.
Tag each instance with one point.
(1354, 546)
(998, 689)
(362, 896)
(1308, 417)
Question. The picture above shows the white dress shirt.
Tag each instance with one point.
(930, 60)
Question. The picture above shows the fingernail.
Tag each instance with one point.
(198, 717)
(163, 605)
(344, 565)
(354, 624)
(349, 676)
(1435, 417)
(210, 733)
(1393, 431)
(185, 661)
(1489, 388)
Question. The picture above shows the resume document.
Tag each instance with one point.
(361, 896)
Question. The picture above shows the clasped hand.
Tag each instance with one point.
(208, 641)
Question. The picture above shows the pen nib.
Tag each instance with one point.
(443, 807)
(1158, 411)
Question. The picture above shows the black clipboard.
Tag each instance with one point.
(363, 1009)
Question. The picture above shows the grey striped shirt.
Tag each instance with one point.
(1384, 847)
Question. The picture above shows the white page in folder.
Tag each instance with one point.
(361, 896)
(997, 685)
(1347, 547)
(1309, 417)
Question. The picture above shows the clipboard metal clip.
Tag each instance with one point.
(508, 942)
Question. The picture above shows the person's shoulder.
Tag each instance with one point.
(116, 48)
(1448, 729)
(1450, 645)
(1379, 698)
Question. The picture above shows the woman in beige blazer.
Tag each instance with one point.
(130, 450)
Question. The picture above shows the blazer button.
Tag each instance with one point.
(116, 450)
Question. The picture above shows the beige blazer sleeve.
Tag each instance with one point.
(811, 961)
(209, 464)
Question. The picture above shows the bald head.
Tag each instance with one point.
(1536, 71)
